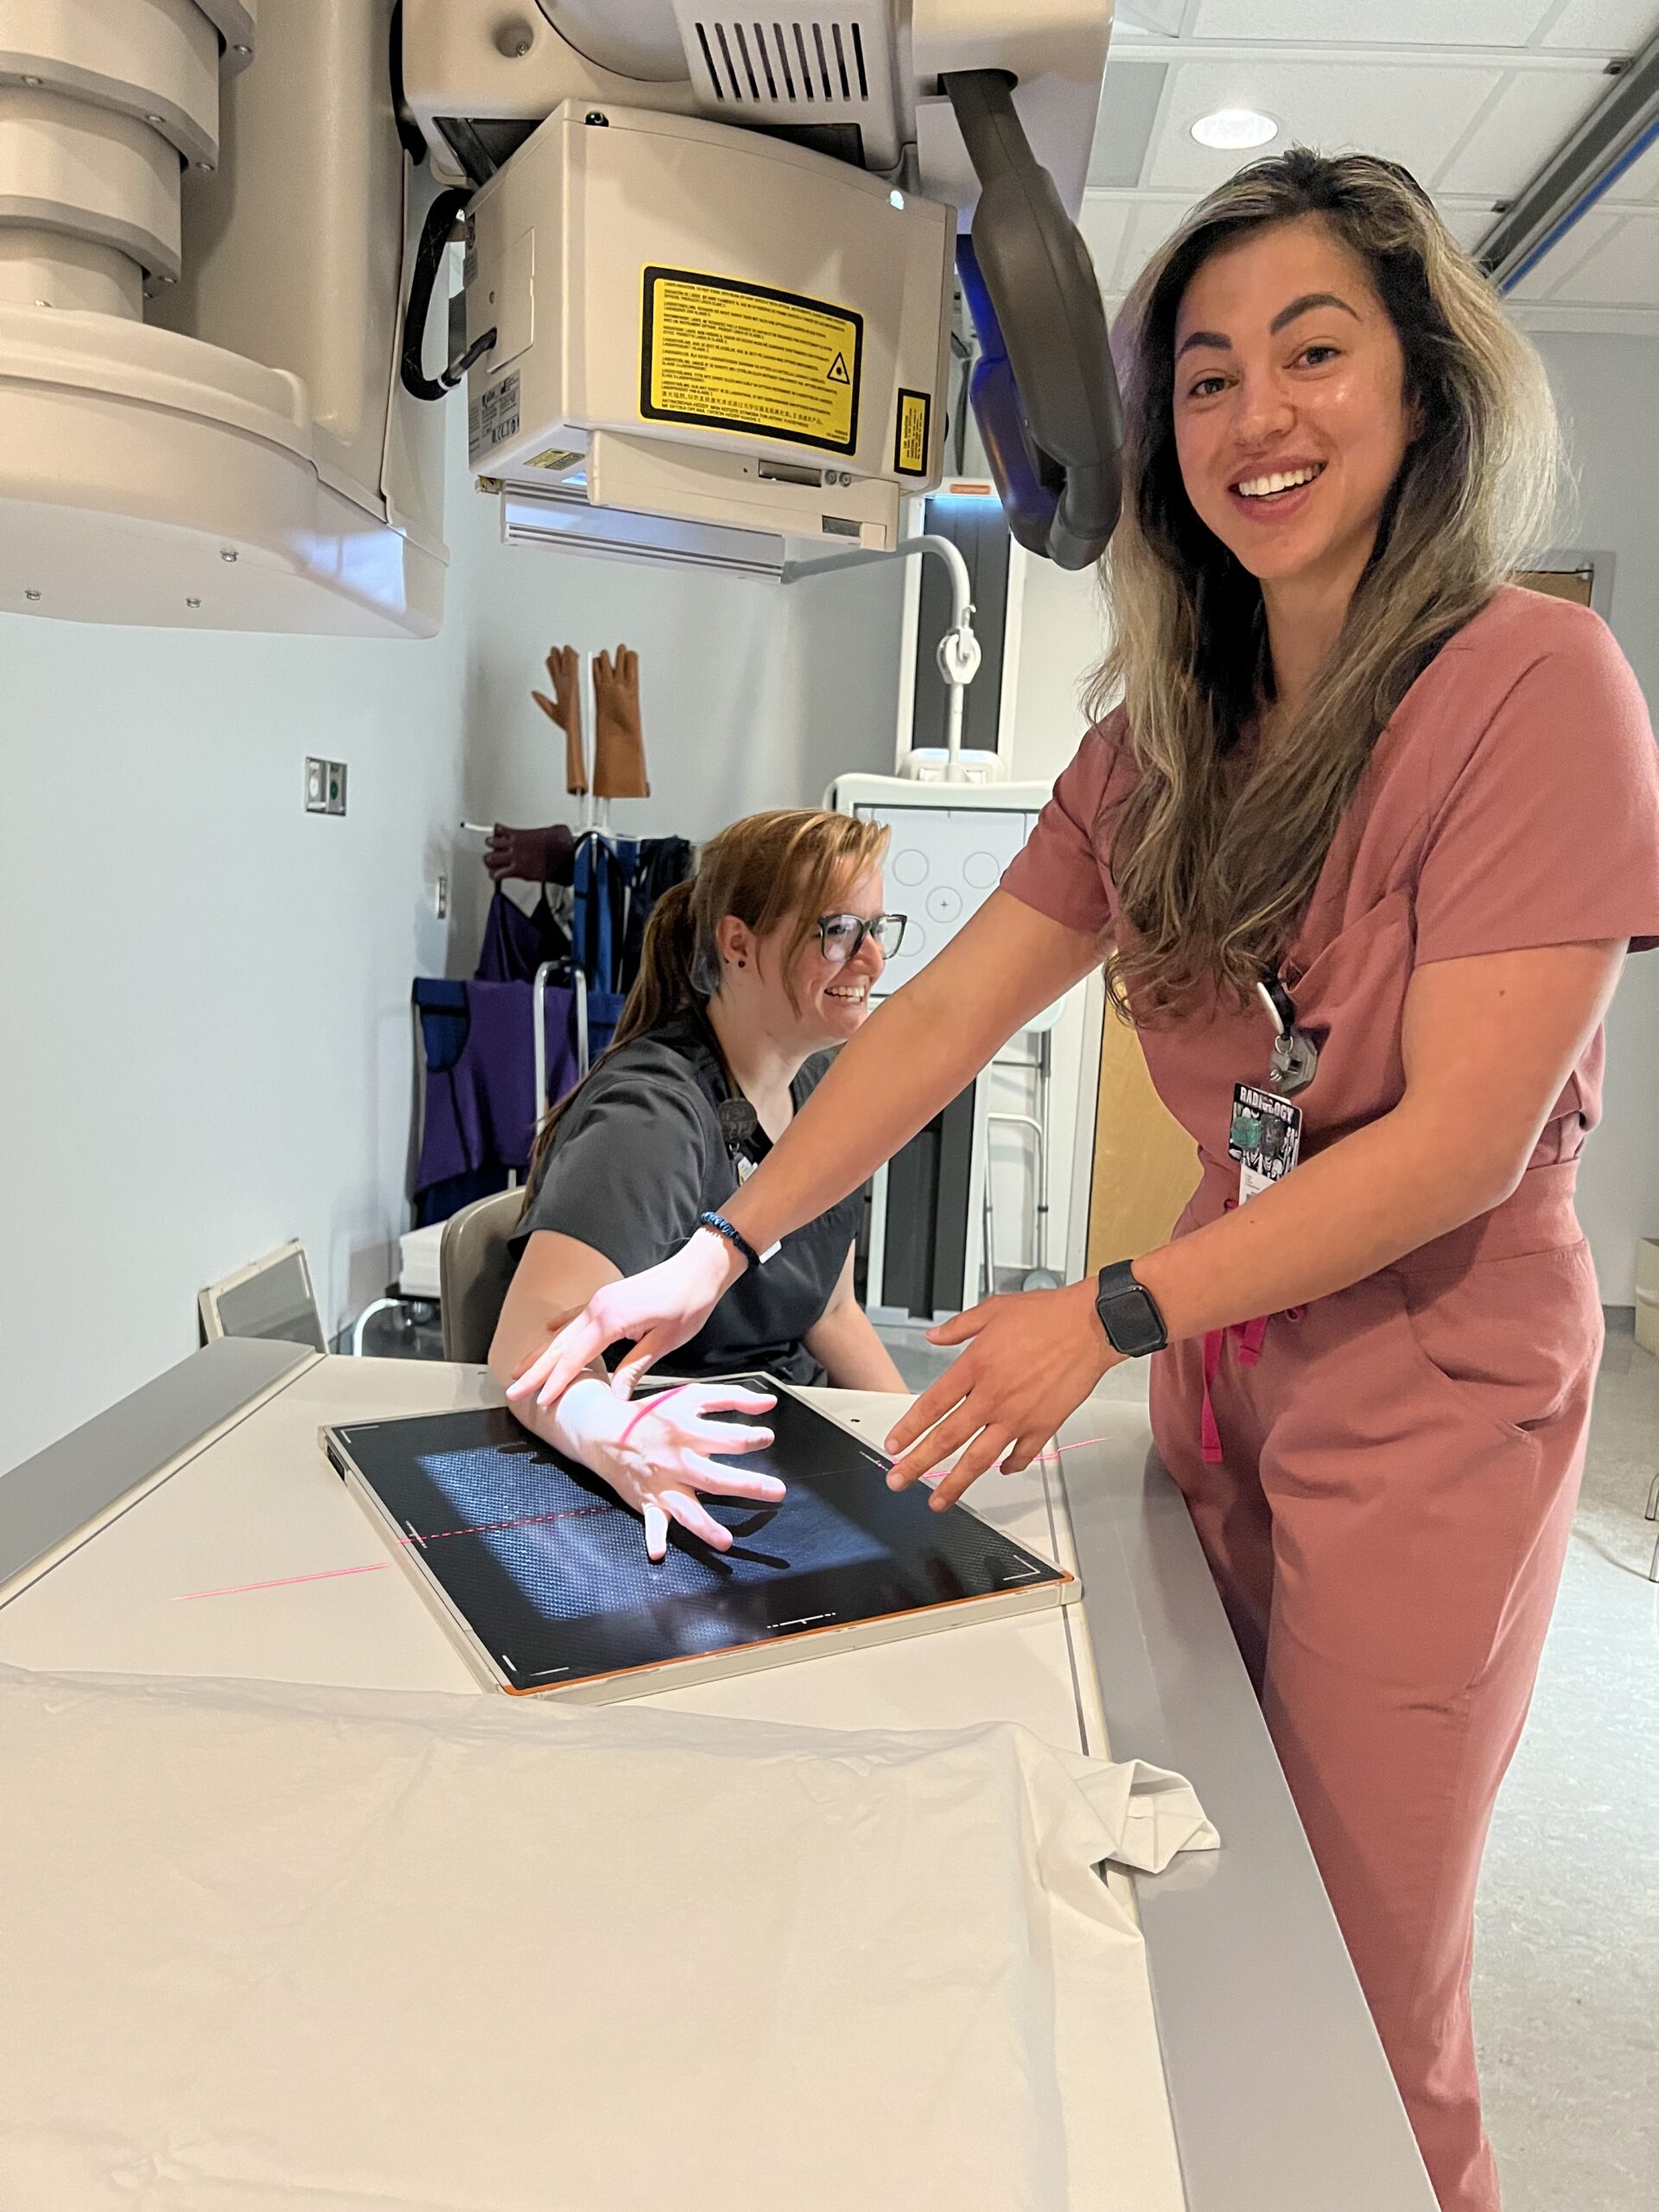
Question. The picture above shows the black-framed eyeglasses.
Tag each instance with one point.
(841, 935)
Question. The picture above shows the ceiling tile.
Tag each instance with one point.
(1469, 225)
(1129, 109)
(1123, 234)
(1155, 221)
(1161, 16)
(1104, 224)
(1607, 27)
(1373, 22)
(1639, 181)
(1586, 236)
(1623, 271)
(1535, 112)
(1150, 222)
(1412, 113)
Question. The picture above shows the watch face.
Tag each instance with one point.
(1132, 1322)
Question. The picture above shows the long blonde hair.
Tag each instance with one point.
(768, 869)
(1215, 868)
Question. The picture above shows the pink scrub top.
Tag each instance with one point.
(1511, 802)
(1382, 1482)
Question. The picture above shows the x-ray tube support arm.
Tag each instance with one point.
(959, 650)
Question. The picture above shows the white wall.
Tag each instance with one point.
(1605, 388)
(753, 694)
(207, 1021)
(1063, 637)
(210, 1044)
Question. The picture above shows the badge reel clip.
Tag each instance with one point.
(1267, 1132)
(1295, 1059)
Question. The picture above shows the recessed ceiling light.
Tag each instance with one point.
(1230, 127)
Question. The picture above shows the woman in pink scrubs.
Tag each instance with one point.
(1363, 848)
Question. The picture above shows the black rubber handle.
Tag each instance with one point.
(1040, 282)
(440, 219)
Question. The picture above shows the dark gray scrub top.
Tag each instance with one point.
(639, 1154)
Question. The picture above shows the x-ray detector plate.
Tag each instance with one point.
(541, 1576)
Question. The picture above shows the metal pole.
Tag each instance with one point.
(538, 1017)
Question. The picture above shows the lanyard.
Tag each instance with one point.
(1295, 1057)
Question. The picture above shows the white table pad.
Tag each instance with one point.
(313, 1595)
(250, 1560)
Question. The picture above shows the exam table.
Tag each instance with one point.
(195, 1529)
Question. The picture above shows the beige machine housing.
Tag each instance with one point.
(708, 324)
(203, 212)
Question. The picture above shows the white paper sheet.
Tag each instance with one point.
(268, 1949)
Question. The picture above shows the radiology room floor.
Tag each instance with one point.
(1567, 1963)
(1568, 1952)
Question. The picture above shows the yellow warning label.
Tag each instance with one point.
(910, 445)
(554, 457)
(740, 357)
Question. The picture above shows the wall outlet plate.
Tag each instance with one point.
(325, 786)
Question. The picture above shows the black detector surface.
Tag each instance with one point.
(550, 1570)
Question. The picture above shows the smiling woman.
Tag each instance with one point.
(1333, 434)
(753, 971)
(1363, 849)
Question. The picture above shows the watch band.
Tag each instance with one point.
(734, 1235)
(1129, 1313)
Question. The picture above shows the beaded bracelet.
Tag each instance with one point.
(734, 1236)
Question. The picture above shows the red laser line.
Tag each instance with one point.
(326, 1574)
(330, 1573)
(481, 1528)
(524, 1521)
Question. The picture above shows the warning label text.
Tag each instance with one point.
(740, 357)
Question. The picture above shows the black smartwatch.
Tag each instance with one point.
(1129, 1313)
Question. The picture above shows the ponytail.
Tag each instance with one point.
(662, 988)
(667, 981)
(764, 869)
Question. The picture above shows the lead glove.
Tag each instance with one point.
(619, 741)
(564, 708)
(546, 855)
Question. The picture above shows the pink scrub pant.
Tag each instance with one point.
(1386, 1523)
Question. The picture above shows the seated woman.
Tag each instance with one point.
(753, 969)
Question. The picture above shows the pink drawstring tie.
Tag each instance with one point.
(1247, 1338)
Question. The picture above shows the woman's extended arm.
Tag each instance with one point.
(1488, 1044)
(917, 1051)
(555, 1278)
(843, 1340)
(910, 1058)
(654, 1455)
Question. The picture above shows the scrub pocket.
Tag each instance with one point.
(1516, 1336)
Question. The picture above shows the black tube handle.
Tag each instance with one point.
(441, 219)
(1041, 284)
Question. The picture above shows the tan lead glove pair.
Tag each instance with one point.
(619, 741)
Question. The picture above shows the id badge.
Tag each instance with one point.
(1266, 1139)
